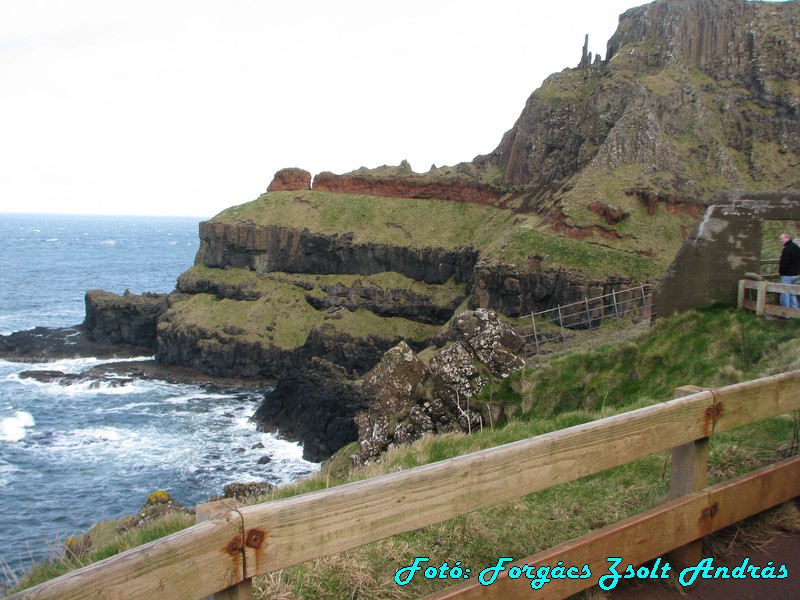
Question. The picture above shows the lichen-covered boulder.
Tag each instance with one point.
(494, 342)
(410, 400)
(393, 380)
(392, 384)
(455, 366)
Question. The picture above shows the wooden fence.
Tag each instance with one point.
(221, 555)
(764, 292)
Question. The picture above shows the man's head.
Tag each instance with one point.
(785, 238)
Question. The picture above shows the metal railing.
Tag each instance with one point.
(557, 329)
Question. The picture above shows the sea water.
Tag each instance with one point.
(72, 455)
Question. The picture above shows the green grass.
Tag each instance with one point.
(555, 251)
(396, 221)
(283, 318)
(709, 347)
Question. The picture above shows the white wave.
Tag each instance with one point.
(69, 365)
(51, 240)
(125, 408)
(109, 242)
(6, 473)
(12, 429)
(104, 434)
(180, 400)
(89, 436)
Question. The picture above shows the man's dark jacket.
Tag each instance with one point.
(790, 259)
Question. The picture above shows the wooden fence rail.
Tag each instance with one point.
(760, 303)
(224, 553)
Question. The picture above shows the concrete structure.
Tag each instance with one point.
(725, 244)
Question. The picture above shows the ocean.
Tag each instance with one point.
(73, 455)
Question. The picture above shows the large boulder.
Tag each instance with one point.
(494, 342)
(410, 400)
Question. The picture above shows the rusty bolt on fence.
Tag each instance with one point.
(710, 512)
(255, 537)
(235, 547)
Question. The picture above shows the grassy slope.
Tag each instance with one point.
(501, 234)
(284, 316)
(710, 347)
(415, 223)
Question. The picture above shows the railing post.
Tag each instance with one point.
(688, 473)
(761, 298)
(207, 512)
(535, 335)
(561, 326)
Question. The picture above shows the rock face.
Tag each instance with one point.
(127, 319)
(452, 189)
(315, 405)
(395, 302)
(399, 182)
(516, 292)
(265, 249)
(410, 400)
(287, 180)
(692, 96)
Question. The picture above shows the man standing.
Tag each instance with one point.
(789, 268)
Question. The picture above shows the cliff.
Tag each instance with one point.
(693, 96)
(592, 190)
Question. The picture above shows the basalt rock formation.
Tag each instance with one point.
(692, 96)
(409, 399)
(462, 184)
(267, 248)
(126, 319)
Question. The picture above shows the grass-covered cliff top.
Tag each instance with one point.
(397, 221)
(284, 316)
(501, 235)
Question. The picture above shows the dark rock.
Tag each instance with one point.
(127, 319)
(538, 289)
(269, 248)
(264, 460)
(48, 376)
(314, 404)
(45, 344)
(244, 492)
(403, 303)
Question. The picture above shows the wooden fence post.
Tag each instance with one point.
(688, 473)
(761, 298)
(207, 512)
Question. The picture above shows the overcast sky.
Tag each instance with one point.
(186, 107)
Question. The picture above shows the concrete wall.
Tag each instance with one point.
(725, 244)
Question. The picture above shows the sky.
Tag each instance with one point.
(187, 107)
